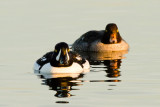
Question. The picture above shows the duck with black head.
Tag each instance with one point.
(61, 60)
(101, 41)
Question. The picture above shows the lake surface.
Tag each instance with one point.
(30, 28)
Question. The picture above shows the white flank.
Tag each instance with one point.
(86, 65)
(36, 66)
(48, 69)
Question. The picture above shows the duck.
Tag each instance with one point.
(107, 40)
(61, 60)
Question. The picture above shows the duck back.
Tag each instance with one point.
(85, 41)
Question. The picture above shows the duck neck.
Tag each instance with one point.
(105, 38)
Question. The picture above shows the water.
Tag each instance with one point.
(30, 28)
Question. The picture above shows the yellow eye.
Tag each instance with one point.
(68, 50)
(117, 30)
(55, 50)
(106, 30)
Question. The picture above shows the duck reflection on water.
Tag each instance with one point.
(62, 86)
(61, 83)
(113, 67)
(109, 62)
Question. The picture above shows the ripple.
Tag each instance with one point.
(62, 102)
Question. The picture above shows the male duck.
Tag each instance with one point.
(101, 41)
(61, 60)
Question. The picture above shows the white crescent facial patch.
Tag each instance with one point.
(58, 56)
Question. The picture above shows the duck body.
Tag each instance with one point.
(48, 69)
(61, 61)
(101, 41)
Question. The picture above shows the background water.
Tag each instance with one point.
(30, 28)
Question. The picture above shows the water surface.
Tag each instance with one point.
(30, 28)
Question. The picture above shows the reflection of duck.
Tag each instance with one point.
(61, 85)
(111, 60)
(61, 60)
(101, 41)
(101, 56)
(113, 67)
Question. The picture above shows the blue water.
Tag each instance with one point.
(30, 28)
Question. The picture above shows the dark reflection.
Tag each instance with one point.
(61, 83)
(62, 86)
(62, 102)
(101, 56)
(105, 81)
(110, 62)
(113, 67)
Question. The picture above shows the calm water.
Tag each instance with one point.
(30, 28)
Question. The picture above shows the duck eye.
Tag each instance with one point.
(117, 30)
(55, 50)
(106, 30)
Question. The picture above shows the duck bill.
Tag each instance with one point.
(63, 56)
(113, 38)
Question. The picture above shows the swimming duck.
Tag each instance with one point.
(101, 41)
(61, 60)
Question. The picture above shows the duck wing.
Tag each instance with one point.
(92, 36)
(45, 58)
(77, 58)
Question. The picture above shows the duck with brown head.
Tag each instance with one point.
(111, 34)
(101, 41)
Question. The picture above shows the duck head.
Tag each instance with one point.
(62, 57)
(111, 34)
